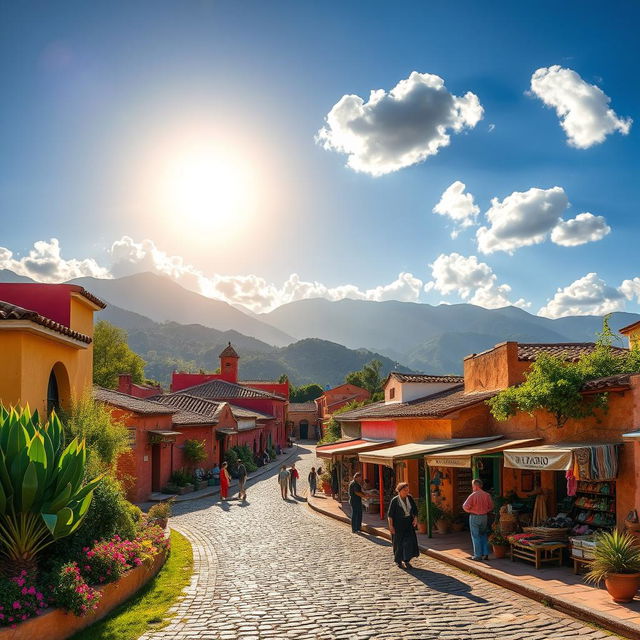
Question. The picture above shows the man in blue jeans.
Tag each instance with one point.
(478, 505)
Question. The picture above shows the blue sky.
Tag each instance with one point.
(106, 103)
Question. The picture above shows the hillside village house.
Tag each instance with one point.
(46, 334)
(333, 399)
(304, 422)
(437, 433)
(267, 401)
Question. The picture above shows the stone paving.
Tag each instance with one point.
(271, 569)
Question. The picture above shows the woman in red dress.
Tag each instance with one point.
(225, 478)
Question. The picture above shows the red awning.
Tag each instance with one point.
(350, 447)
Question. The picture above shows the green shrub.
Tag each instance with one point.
(194, 451)
(180, 478)
(160, 511)
(106, 438)
(246, 456)
(231, 457)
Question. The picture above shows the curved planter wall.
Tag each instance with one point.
(57, 625)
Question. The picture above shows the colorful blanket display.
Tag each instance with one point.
(599, 462)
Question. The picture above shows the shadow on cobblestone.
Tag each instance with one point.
(275, 570)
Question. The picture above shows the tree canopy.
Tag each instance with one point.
(369, 377)
(112, 356)
(305, 393)
(553, 384)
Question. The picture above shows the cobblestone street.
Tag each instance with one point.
(274, 569)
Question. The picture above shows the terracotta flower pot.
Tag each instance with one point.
(422, 527)
(443, 526)
(326, 487)
(622, 587)
(499, 550)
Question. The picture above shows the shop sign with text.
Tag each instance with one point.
(550, 460)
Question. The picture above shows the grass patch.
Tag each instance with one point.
(147, 610)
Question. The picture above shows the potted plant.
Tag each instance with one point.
(422, 517)
(499, 543)
(458, 523)
(442, 519)
(325, 479)
(160, 513)
(617, 562)
(195, 452)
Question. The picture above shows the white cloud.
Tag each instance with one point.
(631, 289)
(585, 227)
(46, 264)
(521, 219)
(472, 280)
(589, 295)
(252, 291)
(459, 206)
(400, 128)
(583, 108)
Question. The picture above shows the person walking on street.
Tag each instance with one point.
(242, 481)
(293, 478)
(478, 505)
(313, 481)
(283, 481)
(403, 518)
(225, 479)
(355, 500)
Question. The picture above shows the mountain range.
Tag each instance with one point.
(315, 340)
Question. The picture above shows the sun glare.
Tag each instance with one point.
(207, 188)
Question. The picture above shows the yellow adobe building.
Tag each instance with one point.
(46, 350)
(632, 331)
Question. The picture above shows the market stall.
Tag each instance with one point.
(458, 467)
(344, 455)
(575, 488)
(390, 458)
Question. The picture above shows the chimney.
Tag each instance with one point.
(124, 383)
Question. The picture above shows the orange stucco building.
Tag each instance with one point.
(424, 414)
(46, 334)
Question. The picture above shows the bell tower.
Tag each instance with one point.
(229, 364)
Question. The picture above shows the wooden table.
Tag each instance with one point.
(579, 563)
(539, 553)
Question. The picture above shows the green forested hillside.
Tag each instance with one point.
(171, 346)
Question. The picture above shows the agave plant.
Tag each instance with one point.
(615, 552)
(42, 496)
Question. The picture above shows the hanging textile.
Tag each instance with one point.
(572, 483)
(604, 462)
(582, 457)
(539, 510)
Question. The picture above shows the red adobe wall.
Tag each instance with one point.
(181, 380)
(50, 300)
(126, 385)
(134, 467)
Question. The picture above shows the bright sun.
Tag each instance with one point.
(207, 188)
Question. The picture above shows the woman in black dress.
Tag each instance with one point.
(403, 518)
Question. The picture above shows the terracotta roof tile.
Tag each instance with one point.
(434, 406)
(89, 296)
(569, 351)
(302, 406)
(223, 390)
(130, 403)
(610, 382)
(423, 377)
(10, 311)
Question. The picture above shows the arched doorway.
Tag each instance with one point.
(304, 429)
(53, 394)
(58, 389)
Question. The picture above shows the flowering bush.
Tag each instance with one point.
(72, 593)
(104, 562)
(20, 599)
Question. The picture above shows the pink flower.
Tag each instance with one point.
(16, 605)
